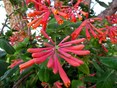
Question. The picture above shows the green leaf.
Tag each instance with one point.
(3, 67)
(43, 75)
(109, 61)
(6, 46)
(106, 80)
(98, 68)
(90, 79)
(102, 3)
(9, 73)
(76, 84)
(84, 68)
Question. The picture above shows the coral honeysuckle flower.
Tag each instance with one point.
(78, 2)
(58, 19)
(90, 29)
(54, 53)
(15, 63)
(57, 84)
(112, 19)
(110, 32)
(43, 11)
(73, 18)
(17, 37)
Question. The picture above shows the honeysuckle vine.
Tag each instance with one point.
(68, 45)
(66, 50)
(54, 53)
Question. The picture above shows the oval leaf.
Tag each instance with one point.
(43, 75)
(6, 46)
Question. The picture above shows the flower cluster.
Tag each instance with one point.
(18, 36)
(54, 53)
(89, 29)
(100, 33)
(43, 11)
(112, 19)
(110, 32)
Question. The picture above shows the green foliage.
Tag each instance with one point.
(99, 68)
(84, 68)
(109, 62)
(6, 46)
(9, 73)
(3, 67)
(77, 84)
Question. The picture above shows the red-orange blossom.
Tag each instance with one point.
(54, 53)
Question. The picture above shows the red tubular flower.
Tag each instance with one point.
(42, 13)
(104, 48)
(73, 18)
(84, 13)
(76, 33)
(90, 29)
(110, 32)
(50, 62)
(112, 19)
(63, 14)
(33, 22)
(78, 2)
(58, 19)
(87, 34)
(57, 84)
(54, 52)
(15, 62)
(63, 75)
(28, 1)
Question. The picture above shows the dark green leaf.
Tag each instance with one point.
(3, 67)
(106, 80)
(109, 61)
(6, 46)
(102, 3)
(9, 73)
(90, 79)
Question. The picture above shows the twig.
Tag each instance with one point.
(16, 85)
(5, 23)
(93, 86)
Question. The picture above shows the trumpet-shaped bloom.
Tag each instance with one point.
(57, 84)
(42, 12)
(15, 62)
(110, 32)
(112, 19)
(54, 53)
(90, 30)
